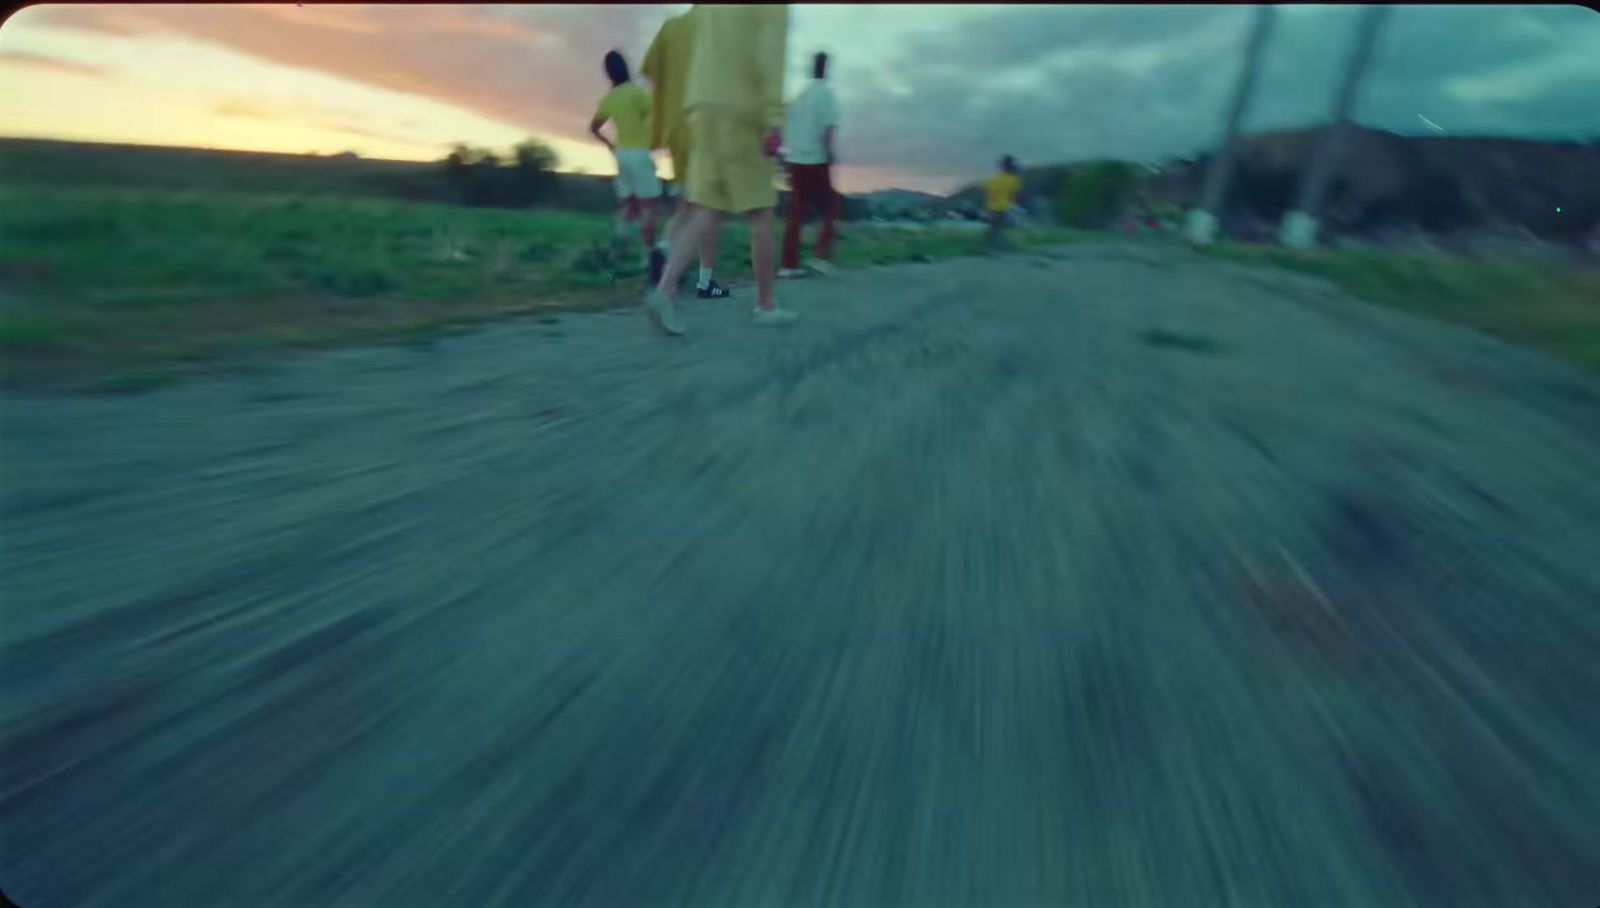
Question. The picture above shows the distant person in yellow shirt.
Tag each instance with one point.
(999, 194)
(733, 103)
(627, 105)
(666, 65)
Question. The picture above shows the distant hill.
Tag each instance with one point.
(49, 162)
(1385, 179)
(1551, 188)
(59, 163)
(894, 202)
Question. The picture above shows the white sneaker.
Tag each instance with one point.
(663, 315)
(821, 266)
(773, 316)
(787, 273)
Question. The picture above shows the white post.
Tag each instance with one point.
(1299, 227)
(1201, 224)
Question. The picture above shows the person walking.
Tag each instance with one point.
(627, 105)
(999, 194)
(810, 133)
(666, 65)
(733, 103)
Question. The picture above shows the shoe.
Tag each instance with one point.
(821, 266)
(786, 273)
(714, 292)
(773, 316)
(658, 263)
(663, 315)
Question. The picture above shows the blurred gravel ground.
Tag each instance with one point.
(1103, 578)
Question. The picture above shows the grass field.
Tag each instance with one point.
(96, 282)
(1539, 304)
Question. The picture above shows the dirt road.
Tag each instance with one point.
(1107, 578)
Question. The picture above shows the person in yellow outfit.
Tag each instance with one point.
(627, 105)
(733, 107)
(999, 194)
(666, 65)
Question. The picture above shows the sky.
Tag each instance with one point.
(930, 96)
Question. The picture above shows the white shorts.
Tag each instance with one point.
(636, 174)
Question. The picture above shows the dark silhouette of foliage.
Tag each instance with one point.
(1094, 195)
(480, 178)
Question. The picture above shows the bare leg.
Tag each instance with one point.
(680, 217)
(647, 230)
(761, 255)
(626, 215)
(684, 246)
(708, 241)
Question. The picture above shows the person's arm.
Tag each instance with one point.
(600, 119)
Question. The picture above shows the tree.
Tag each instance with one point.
(1096, 194)
(477, 176)
(854, 208)
(533, 175)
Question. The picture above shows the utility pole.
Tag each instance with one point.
(1201, 227)
(1299, 227)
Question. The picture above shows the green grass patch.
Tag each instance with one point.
(103, 280)
(40, 331)
(1551, 306)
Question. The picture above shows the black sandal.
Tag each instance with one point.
(714, 292)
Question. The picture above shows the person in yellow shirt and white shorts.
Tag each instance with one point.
(733, 106)
(627, 105)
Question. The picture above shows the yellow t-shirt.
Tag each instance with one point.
(1000, 191)
(628, 106)
(738, 61)
(666, 65)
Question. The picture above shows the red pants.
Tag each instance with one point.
(810, 186)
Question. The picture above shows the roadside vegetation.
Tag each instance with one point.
(1551, 306)
(121, 261)
(99, 281)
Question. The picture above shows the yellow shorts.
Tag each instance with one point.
(678, 148)
(729, 171)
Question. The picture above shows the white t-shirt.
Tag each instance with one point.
(808, 116)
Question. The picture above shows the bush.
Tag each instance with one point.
(1095, 195)
(477, 177)
(598, 258)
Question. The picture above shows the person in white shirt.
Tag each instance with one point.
(809, 135)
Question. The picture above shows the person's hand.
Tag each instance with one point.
(774, 141)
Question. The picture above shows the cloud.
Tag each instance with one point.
(1085, 82)
(54, 64)
(1052, 83)
(327, 119)
(528, 67)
